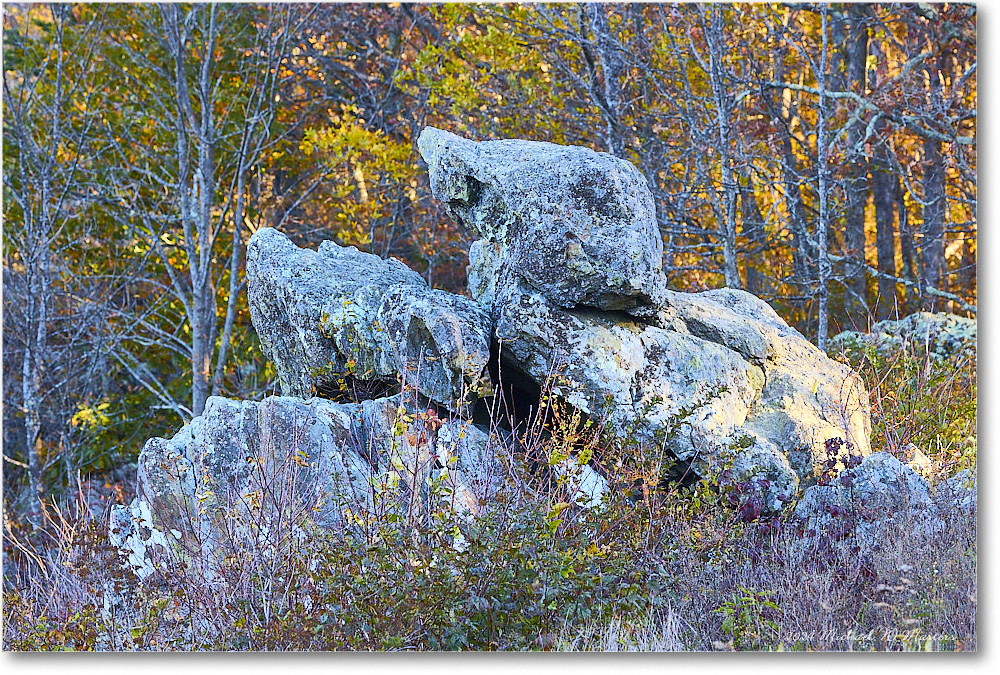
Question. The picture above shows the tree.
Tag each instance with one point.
(50, 136)
(197, 98)
(144, 143)
(851, 70)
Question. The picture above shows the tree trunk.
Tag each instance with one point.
(932, 243)
(714, 33)
(908, 249)
(823, 288)
(38, 282)
(885, 187)
(611, 69)
(753, 219)
(200, 355)
(235, 262)
(968, 275)
(31, 375)
(790, 176)
(856, 187)
(886, 196)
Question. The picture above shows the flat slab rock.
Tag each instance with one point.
(337, 311)
(216, 479)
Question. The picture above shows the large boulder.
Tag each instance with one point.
(576, 225)
(940, 335)
(807, 398)
(707, 374)
(336, 312)
(247, 468)
(706, 383)
(644, 381)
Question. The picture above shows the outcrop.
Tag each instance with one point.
(861, 501)
(568, 264)
(247, 468)
(577, 226)
(326, 315)
(568, 296)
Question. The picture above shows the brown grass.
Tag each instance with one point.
(664, 569)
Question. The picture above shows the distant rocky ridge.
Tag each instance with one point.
(566, 283)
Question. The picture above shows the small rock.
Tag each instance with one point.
(861, 501)
(918, 461)
(767, 471)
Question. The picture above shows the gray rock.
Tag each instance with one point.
(133, 532)
(958, 492)
(941, 335)
(758, 461)
(723, 360)
(807, 398)
(288, 290)
(439, 341)
(718, 365)
(645, 382)
(248, 469)
(324, 314)
(860, 502)
(576, 225)
(582, 484)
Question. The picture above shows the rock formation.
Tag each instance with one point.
(579, 226)
(568, 295)
(568, 236)
(247, 467)
(324, 315)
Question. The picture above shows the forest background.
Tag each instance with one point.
(820, 156)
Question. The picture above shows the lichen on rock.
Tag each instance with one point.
(337, 311)
(239, 470)
(568, 292)
(859, 502)
(941, 335)
(580, 226)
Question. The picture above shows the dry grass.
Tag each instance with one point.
(657, 569)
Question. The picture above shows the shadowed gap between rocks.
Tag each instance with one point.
(355, 389)
(513, 411)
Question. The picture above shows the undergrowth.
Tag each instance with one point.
(659, 566)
